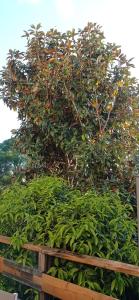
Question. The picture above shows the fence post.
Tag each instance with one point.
(137, 193)
(42, 268)
(44, 263)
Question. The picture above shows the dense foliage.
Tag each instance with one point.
(11, 163)
(48, 212)
(76, 99)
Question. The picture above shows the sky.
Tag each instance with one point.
(118, 18)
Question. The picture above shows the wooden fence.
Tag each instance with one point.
(48, 285)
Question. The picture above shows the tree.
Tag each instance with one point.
(76, 99)
(11, 162)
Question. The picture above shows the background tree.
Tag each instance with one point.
(75, 98)
(11, 163)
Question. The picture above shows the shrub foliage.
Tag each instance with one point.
(46, 211)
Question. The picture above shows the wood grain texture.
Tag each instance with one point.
(82, 259)
(48, 284)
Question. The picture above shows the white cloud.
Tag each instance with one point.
(65, 8)
(29, 1)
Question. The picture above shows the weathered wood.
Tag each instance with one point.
(41, 262)
(48, 284)
(42, 267)
(22, 274)
(42, 296)
(82, 259)
(112, 265)
(7, 240)
(69, 291)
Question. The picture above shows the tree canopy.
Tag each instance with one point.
(76, 99)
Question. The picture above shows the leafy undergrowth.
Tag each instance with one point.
(46, 211)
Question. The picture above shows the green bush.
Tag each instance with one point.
(48, 212)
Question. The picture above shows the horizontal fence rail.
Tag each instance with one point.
(48, 284)
(61, 289)
(112, 265)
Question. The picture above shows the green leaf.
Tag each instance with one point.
(113, 284)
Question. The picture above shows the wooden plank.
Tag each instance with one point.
(48, 284)
(49, 263)
(42, 267)
(7, 240)
(69, 291)
(19, 273)
(41, 262)
(112, 265)
(42, 296)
